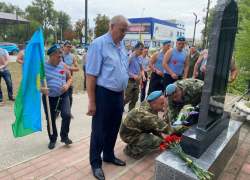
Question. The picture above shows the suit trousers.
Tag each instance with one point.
(105, 125)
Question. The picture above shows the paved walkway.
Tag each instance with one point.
(72, 162)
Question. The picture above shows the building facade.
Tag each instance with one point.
(153, 31)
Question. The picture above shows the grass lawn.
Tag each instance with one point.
(16, 75)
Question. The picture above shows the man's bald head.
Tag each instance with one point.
(116, 20)
(157, 104)
(118, 27)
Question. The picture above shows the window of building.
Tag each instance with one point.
(180, 33)
(177, 33)
(180, 24)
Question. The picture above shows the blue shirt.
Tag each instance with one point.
(158, 62)
(68, 59)
(108, 63)
(128, 52)
(135, 65)
(3, 53)
(55, 80)
(180, 58)
(83, 63)
(145, 62)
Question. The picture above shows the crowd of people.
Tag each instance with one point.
(115, 75)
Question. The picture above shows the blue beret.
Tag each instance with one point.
(192, 45)
(26, 42)
(171, 88)
(166, 41)
(154, 95)
(61, 42)
(181, 38)
(67, 42)
(53, 48)
(86, 47)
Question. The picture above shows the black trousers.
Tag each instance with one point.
(64, 106)
(156, 83)
(105, 125)
(70, 92)
(143, 90)
(169, 80)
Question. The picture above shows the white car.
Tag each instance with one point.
(80, 51)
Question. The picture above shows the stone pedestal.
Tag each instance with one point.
(170, 166)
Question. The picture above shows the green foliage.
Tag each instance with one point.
(101, 25)
(9, 8)
(43, 12)
(240, 84)
(209, 25)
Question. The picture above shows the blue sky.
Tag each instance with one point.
(160, 9)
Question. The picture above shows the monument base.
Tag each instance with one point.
(170, 166)
(195, 141)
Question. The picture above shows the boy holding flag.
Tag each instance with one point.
(59, 80)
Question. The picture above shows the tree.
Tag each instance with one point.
(101, 25)
(64, 22)
(9, 8)
(43, 12)
(78, 27)
(69, 34)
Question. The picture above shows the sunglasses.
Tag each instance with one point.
(138, 44)
(171, 93)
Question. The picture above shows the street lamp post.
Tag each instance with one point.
(86, 22)
(196, 22)
(141, 24)
(17, 28)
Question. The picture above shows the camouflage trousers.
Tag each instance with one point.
(146, 142)
(132, 93)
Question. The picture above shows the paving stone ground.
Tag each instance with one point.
(72, 162)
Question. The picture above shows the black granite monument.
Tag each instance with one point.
(213, 120)
(212, 142)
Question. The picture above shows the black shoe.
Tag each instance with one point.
(1, 99)
(11, 98)
(67, 141)
(72, 117)
(116, 162)
(51, 145)
(98, 173)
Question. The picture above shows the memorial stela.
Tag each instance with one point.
(213, 120)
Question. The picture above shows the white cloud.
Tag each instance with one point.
(160, 9)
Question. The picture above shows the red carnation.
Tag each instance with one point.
(162, 148)
(62, 71)
(167, 138)
(165, 145)
(142, 84)
(155, 71)
(175, 62)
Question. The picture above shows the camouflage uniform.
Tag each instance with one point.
(142, 129)
(192, 62)
(132, 93)
(191, 94)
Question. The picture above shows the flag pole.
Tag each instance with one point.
(48, 108)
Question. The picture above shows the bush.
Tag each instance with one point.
(240, 84)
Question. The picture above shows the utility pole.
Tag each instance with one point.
(205, 31)
(196, 22)
(86, 22)
(61, 32)
(141, 25)
(17, 28)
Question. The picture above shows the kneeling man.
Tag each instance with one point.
(181, 93)
(142, 129)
